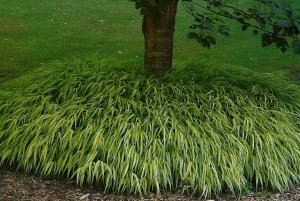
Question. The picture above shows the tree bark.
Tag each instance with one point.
(158, 30)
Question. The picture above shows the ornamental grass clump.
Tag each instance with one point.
(200, 129)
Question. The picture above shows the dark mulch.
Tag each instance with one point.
(15, 186)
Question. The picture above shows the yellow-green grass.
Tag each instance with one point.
(35, 32)
(200, 130)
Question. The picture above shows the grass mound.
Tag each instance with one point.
(200, 129)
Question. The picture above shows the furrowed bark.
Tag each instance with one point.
(158, 30)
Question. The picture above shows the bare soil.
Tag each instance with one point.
(15, 186)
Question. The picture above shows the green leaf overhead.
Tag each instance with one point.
(276, 22)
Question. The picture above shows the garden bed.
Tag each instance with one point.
(19, 186)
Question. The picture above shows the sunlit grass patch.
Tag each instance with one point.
(200, 129)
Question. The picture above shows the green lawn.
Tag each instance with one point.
(34, 32)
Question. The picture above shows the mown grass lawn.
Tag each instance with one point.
(34, 32)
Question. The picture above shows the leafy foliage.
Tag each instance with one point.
(275, 21)
(150, 6)
(200, 131)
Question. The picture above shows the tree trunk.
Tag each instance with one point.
(158, 32)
